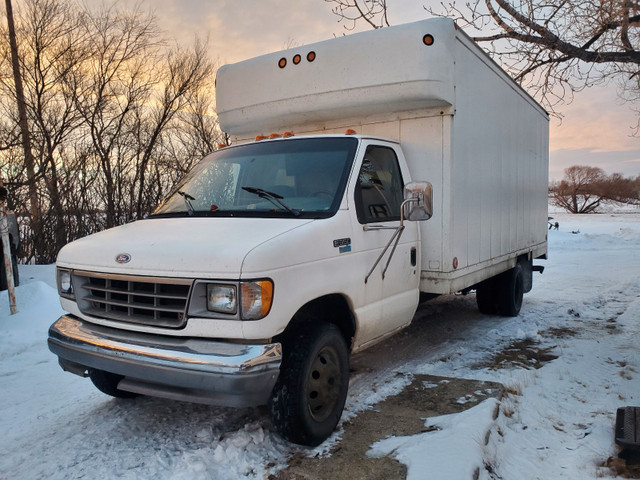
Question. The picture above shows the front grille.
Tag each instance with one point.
(160, 302)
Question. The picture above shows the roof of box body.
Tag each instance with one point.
(391, 69)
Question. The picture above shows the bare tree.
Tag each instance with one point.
(552, 48)
(54, 47)
(580, 190)
(373, 12)
(622, 189)
(29, 162)
(184, 73)
(583, 189)
(108, 94)
(115, 115)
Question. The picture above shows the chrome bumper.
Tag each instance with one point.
(197, 370)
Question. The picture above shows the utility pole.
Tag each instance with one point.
(24, 130)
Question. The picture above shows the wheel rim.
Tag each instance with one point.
(324, 384)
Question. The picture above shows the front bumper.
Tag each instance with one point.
(197, 370)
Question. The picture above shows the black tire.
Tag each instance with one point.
(309, 396)
(3, 276)
(16, 273)
(107, 383)
(511, 292)
(486, 297)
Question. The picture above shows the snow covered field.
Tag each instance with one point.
(555, 422)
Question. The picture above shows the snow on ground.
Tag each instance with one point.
(555, 422)
(439, 451)
(558, 423)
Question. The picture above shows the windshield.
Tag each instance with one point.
(283, 178)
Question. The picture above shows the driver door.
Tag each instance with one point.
(378, 197)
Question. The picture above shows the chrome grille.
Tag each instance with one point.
(160, 302)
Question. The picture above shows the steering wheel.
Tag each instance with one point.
(323, 194)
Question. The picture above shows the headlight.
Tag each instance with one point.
(65, 286)
(222, 298)
(242, 300)
(256, 299)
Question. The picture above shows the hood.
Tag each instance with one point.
(175, 247)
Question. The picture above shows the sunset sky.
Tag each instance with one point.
(596, 129)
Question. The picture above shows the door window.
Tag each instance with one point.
(379, 188)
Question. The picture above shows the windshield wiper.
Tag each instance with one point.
(187, 201)
(272, 197)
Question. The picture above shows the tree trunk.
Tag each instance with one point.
(34, 207)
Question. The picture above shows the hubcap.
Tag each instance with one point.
(323, 384)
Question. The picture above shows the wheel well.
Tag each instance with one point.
(332, 309)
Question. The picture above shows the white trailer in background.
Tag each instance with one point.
(275, 258)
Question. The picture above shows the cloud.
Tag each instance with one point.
(241, 29)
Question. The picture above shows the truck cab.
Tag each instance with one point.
(261, 248)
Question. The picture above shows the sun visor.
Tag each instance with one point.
(401, 68)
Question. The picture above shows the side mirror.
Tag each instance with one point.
(418, 201)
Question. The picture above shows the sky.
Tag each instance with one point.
(596, 129)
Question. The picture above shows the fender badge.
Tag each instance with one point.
(342, 244)
(123, 258)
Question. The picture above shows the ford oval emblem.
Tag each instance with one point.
(123, 258)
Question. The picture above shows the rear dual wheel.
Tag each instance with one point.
(512, 291)
(502, 294)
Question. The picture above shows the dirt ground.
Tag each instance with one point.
(399, 415)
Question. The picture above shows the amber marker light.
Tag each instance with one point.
(274, 135)
(311, 56)
(260, 137)
(282, 62)
(296, 59)
(428, 39)
(222, 145)
(256, 298)
(350, 131)
(287, 134)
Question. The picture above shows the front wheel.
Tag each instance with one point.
(310, 393)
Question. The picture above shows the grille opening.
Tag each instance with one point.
(119, 284)
(119, 297)
(143, 287)
(99, 294)
(99, 304)
(145, 300)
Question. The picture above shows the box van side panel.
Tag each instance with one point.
(499, 164)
